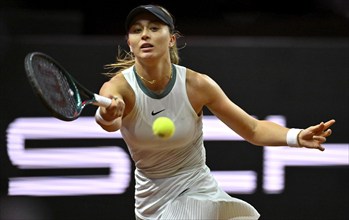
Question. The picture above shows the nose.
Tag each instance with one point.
(145, 33)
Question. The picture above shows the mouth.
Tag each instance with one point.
(146, 46)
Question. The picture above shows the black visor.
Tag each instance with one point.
(155, 10)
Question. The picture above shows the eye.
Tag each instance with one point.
(135, 29)
(154, 28)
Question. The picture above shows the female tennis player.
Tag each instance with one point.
(172, 178)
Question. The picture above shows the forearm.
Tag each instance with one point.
(267, 133)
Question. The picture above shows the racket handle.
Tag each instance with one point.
(102, 101)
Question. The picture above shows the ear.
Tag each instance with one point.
(173, 40)
(128, 43)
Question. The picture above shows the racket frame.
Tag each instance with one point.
(79, 91)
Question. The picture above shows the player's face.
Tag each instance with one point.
(148, 37)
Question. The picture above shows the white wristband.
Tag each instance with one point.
(292, 137)
(101, 120)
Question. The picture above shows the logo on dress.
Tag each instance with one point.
(155, 113)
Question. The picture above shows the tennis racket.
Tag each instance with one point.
(62, 95)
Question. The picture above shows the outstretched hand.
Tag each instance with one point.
(315, 136)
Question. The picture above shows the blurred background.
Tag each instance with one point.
(285, 61)
(310, 18)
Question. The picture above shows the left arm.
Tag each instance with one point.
(257, 132)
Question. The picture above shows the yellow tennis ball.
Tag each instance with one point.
(163, 127)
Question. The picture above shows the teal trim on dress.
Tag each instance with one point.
(152, 94)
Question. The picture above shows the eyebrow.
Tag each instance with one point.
(150, 21)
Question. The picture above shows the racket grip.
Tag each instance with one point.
(102, 101)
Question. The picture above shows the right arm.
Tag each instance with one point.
(110, 118)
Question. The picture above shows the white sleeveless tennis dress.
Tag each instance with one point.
(172, 179)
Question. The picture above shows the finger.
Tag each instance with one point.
(321, 127)
(317, 128)
(329, 123)
(327, 133)
(321, 148)
(115, 101)
(120, 108)
(316, 146)
(320, 139)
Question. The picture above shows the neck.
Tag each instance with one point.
(154, 76)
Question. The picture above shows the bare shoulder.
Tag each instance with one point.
(117, 79)
(200, 89)
(116, 85)
(198, 80)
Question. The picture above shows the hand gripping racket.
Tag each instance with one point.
(64, 97)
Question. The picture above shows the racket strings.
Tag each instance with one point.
(55, 88)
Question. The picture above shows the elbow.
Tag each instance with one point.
(252, 136)
(256, 143)
(252, 140)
